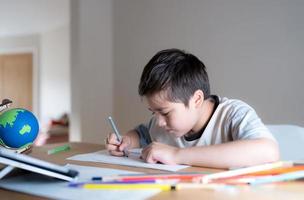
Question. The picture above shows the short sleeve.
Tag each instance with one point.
(246, 124)
(143, 131)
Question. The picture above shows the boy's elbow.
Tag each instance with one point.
(273, 152)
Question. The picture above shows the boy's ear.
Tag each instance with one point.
(198, 98)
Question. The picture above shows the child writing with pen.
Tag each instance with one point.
(191, 126)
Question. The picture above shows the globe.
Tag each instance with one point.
(18, 128)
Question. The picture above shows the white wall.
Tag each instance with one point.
(19, 18)
(252, 50)
(91, 69)
(55, 73)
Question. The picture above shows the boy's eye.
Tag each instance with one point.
(165, 114)
(153, 113)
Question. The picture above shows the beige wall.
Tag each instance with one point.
(252, 50)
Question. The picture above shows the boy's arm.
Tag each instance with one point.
(134, 139)
(232, 154)
(238, 153)
(139, 136)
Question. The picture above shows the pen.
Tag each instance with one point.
(59, 149)
(119, 138)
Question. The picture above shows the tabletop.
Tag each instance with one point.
(285, 190)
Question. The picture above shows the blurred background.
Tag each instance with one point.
(74, 63)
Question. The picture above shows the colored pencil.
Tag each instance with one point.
(59, 149)
(80, 184)
(278, 171)
(181, 177)
(212, 186)
(163, 187)
(278, 178)
(148, 186)
(243, 171)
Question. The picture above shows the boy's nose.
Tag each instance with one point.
(161, 122)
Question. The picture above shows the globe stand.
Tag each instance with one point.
(6, 170)
(20, 150)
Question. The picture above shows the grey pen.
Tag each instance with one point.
(119, 138)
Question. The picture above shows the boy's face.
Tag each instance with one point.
(176, 118)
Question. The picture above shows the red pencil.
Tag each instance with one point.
(181, 177)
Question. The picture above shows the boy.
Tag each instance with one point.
(190, 126)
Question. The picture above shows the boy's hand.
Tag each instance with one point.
(158, 152)
(115, 147)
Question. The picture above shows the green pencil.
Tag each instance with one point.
(59, 149)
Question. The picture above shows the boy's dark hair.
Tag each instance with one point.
(177, 72)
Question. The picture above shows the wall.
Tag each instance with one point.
(252, 49)
(41, 27)
(51, 79)
(91, 69)
(55, 73)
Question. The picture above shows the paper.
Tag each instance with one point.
(133, 160)
(44, 186)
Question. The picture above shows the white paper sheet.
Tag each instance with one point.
(133, 160)
(44, 186)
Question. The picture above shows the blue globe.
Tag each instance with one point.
(18, 128)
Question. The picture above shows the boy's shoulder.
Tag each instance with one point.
(234, 106)
(234, 103)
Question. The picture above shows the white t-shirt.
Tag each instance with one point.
(232, 120)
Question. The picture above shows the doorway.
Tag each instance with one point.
(16, 79)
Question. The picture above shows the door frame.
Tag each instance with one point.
(35, 76)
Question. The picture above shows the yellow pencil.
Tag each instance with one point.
(163, 187)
